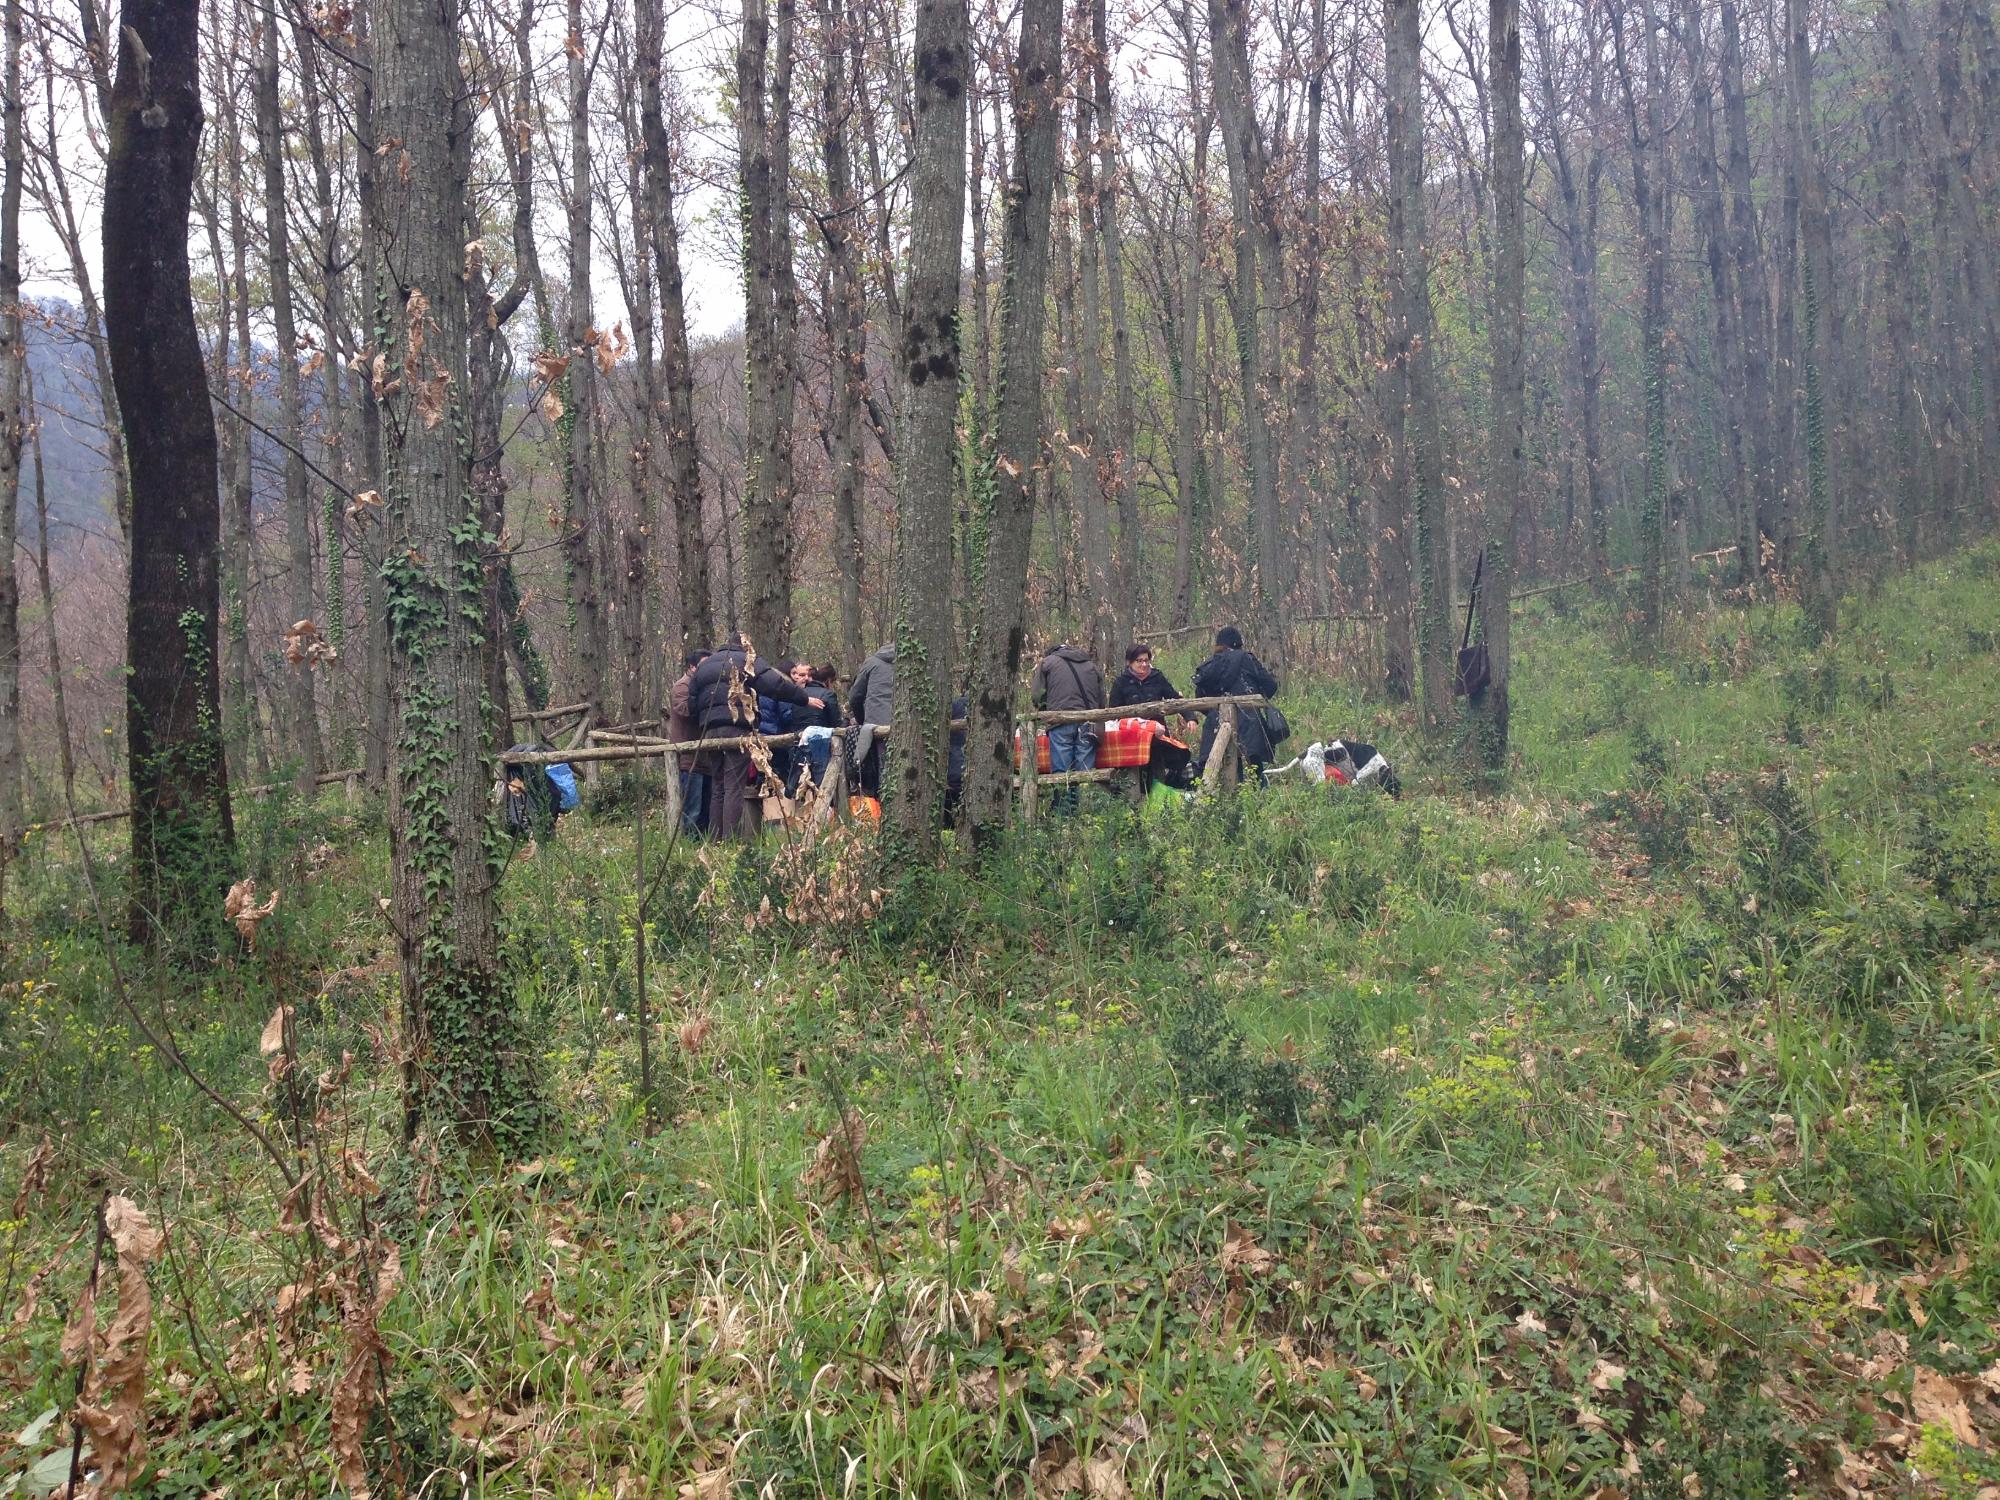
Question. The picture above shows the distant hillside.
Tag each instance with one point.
(79, 483)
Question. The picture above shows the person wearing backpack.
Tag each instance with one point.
(1229, 671)
(1069, 679)
(723, 700)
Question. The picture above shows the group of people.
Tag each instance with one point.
(724, 694)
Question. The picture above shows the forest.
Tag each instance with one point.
(458, 455)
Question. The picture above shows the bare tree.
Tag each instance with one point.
(471, 1062)
(1503, 498)
(929, 355)
(1000, 642)
(13, 367)
(182, 835)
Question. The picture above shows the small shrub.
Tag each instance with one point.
(1778, 846)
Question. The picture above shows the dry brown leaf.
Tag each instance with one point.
(272, 1040)
(1241, 1252)
(359, 1388)
(713, 1485)
(34, 1176)
(475, 257)
(1938, 1401)
(416, 324)
(240, 906)
(431, 396)
(112, 1406)
(693, 1032)
(836, 1162)
(552, 407)
(1607, 1376)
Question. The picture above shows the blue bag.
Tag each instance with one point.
(567, 798)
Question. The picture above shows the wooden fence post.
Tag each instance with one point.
(1026, 752)
(1218, 776)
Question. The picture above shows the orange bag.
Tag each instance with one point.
(864, 809)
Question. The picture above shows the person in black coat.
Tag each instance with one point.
(723, 702)
(1141, 682)
(1231, 670)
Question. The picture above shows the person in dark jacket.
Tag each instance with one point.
(1231, 670)
(954, 764)
(872, 700)
(822, 713)
(724, 699)
(1141, 682)
(681, 728)
(1068, 679)
(773, 717)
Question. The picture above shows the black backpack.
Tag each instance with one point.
(528, 798)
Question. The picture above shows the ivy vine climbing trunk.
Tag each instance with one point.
(847, 320)
(578, 424)
(471, 1064)
(1017, 444)
(183, 842)
(929, 354)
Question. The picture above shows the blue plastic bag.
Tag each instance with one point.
(567, 798)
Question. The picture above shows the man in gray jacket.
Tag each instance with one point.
(1069, 678)
(871, 701)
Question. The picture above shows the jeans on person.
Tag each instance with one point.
(1071, 748)
(727, 790)
(694, 803)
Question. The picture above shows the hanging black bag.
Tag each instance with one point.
(1475, 672)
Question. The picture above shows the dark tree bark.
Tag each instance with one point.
(183, 839)
(13, 368)
(472, 1064)
(1000, 643)
(929, 353)
(1418, 457)
(1121, 456)
(1491, 709)
(694, 619)
(1754, 302)
(771, 320)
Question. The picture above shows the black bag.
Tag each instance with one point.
(529, 800)
(1277, 728)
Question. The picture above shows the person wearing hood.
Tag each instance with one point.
(872, 700)
(1230, 671)
(1068, 679)
(723, 698)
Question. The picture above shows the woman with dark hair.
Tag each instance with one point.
(1141, 682)
(1229, 671)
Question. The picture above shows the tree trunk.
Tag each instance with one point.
(1819, 593)
(1418, 457)
(374, 545)
(771, 321)
(1649, 191)
(1000, 643)
(65, 747)
(930, 360)
(1490, 708)
(847, 328)
(693, 621)
(1243, 148)
(291, 412)
(578, 424)
(1122, 455)
(1090, 471)
(1753, 293)
(183, 840)
(473, 1065)
(13, 368)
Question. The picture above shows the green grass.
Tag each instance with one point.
(1630, 1129)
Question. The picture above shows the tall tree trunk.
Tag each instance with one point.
(1820, 593)
(1722, 292)
(693, 619)
(374, 538)
(1304, 468)
(1082, 313)
(578, 424)
(65, 746)
(473, 1064)
(1000, 643)
(846, 316)
(291, 410)
(1243, 148)
(1190, 472)
(1649, 191)
(1491, 709)
(1753, 293)
(183, 840)
(930, 361)
(1418, 457)
(771, 322)
(13, 367)
(646, 677)
(1121, 456)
